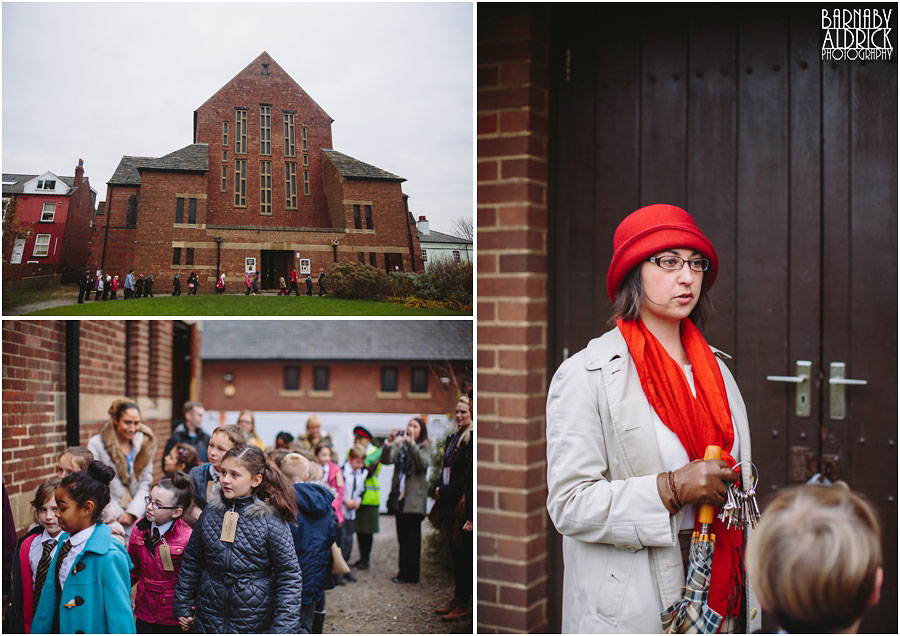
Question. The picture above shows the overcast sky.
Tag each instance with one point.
(99, 81)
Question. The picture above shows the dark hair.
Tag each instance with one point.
(44, 492)
(423, 430)
(631, 294)
(90, 485)
(187, 455)
(190, 406)
(180, 485)
(277, 455)
(274, 488)
(285, 437)
(322, 445)
(120, 406)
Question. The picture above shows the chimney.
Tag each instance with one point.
(422, 225)
(79, 173)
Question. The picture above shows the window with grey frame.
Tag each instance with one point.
(389, 379)
(291, 380)
(418, 380)
(320, 378)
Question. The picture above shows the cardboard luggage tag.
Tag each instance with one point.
(126, 499)
(229, 525)
(165, 555)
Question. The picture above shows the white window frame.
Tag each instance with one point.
(424, 256)
(456, 256)
(37, 243)
(46, 184)
(44, 212)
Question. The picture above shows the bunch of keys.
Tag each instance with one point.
(740, 509)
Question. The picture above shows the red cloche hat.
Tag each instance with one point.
(649, 230)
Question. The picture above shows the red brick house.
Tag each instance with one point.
(260, 188)
(60, 376)
(46, 224)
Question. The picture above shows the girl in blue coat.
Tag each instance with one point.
(87, 585)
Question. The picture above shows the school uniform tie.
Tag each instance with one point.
(63, 551)
(42, 567)
(153, 539)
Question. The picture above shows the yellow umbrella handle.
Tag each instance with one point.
(708, 511)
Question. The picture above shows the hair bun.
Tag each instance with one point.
(180, 480)
(101, 472)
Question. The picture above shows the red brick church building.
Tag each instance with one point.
(261, 188)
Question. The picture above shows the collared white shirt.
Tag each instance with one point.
(213, 472)
(78, 540)
(163, 528)
(36, 549)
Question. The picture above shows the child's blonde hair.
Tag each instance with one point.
(315, 471)
(81, 456)
(233, 432)
(356, 452)
(813, 560)
(295, 467)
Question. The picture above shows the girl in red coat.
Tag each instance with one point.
(156, 547)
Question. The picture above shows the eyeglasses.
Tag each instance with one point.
(152, 504)
(672, 263)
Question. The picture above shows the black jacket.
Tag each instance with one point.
(460, 483)
(249, 586)
(13, 620)
(180, 436)
(313, 535)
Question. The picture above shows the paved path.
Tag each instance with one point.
(375, 605)
(27, 309)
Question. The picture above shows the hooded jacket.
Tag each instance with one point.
(180, 435)
(155, 585)
(313, 535)
(248, 586)
(104, 446)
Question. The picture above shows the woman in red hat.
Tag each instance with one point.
(628, 420)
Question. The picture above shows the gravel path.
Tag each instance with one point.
(375, 605)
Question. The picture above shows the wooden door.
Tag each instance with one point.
(789, 165)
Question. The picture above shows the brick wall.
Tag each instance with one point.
(34, 391)
(353, 387)
(512, 319)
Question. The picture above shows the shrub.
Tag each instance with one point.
(403, 284)
(451, 281)
(352, 279)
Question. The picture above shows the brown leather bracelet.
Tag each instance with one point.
(674, 492)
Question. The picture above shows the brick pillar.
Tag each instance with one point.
(512, 318)
(138, 371)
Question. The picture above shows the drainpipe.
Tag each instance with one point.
(72, 388)
(218, 241)
(109, 190)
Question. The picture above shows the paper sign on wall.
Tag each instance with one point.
(304, 266)
(250, 264)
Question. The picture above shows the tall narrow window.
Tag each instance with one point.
(240, 183)
(131, 210)
(189, 256)
(41, 245)
(289, 135)
(290, 185)
(356, 221)
(179, 210)
(389, 379)
(305, 160)
(265, 130)
(224, 133)
(303, 139)
(224, 187)
(372, 259)
(240, 131)
(48, 211)
(224, 155)
(265, 187)
(361, 257)
(306, 182)
(176, 256)
(418, 380)
(291, 378)
(320, 378)
(424, 256)
(192, 211)
(368, 217)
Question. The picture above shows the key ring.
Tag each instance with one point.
(752, 476)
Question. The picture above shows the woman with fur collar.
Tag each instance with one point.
(129, 447)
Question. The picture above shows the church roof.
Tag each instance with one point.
(355, 169)
(193, 158)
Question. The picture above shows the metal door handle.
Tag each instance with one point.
(836, 383)
(802, 400)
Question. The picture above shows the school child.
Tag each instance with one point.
(115, 287)
(332, 477)
(314, 534)
(240, 573)
(156, 548)
(354, 485)
(220, 285)
(86, 589)
(148, 287)
(204, 476)
(814, 561)
(308, 285)
(139, 287)
(76, 458)
(176, 285)
(182, 457)
(32, 558)
(282, 286)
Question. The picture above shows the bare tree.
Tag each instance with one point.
(463, 228)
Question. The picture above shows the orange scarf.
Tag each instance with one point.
(697, 422)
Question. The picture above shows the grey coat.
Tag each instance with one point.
(415, 487)
(252, 585)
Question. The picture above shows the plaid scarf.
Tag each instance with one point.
(697, 422)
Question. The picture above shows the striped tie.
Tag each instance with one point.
(153, 539)
(63, 551)
(42, 567)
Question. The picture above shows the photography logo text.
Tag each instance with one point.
(856, 34)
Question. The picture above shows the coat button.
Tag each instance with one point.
(752, 613)
(631, 548)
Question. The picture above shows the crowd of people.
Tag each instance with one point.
(100, 286)
(235, 537)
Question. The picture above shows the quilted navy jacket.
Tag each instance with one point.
(313, 535)
(252, 585)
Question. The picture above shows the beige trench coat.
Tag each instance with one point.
(620, 545)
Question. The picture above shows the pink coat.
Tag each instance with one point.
(333, 472)
(155, 586)
(25, 577)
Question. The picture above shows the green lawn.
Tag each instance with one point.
(235, 305)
